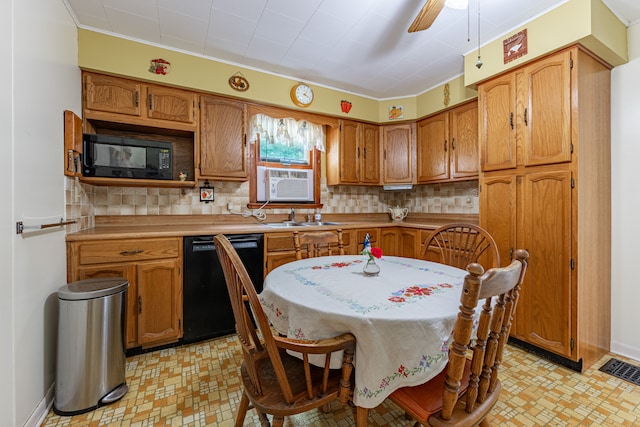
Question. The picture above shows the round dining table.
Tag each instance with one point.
(402, 318)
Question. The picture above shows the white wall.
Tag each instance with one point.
(6, 239)
(39, 80)
(625, 158)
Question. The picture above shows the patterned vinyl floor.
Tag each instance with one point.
(198, 385)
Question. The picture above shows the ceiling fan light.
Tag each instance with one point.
(457, 4)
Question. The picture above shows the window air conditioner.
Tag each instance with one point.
(289, 185)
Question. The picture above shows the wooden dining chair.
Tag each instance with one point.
(460, 244)
(275, 382)
(313, 244)
(466, 390)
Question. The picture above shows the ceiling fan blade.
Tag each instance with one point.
(427, 15)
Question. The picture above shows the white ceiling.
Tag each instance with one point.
(357, 46)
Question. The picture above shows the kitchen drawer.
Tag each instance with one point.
(278, 242)
(98, 252)
(283, 242)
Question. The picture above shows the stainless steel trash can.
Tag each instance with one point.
(91, 345)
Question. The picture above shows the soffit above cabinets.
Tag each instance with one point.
(357, 46)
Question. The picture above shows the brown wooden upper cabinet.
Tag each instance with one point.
(447, 145)
(398, 154)
(532, 105)
(115, 99)
(356, 153)
(223, 145)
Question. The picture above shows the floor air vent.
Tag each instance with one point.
(623, 370)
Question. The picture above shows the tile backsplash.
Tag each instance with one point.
(84, 202)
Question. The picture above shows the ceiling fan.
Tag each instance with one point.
(431, 10)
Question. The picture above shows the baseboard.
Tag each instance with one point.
(625, 350)
(567, 363)
(40, 413)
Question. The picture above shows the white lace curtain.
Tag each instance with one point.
(288, 131)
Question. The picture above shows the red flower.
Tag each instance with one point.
(376, 252)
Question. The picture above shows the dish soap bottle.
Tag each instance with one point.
(317, 216)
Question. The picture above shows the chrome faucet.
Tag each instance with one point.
(292, 215)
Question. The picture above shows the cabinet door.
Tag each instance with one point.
(223, 153)
(159, 302)
(432, 145)
(497, 127)
(498, 199)
(167, 103)
(464, 141)
(276, 259)
(408, 242)
(370, 143)
(546, 115)
(389, 241)
(111, 94)
(397, 154)
(349, 152)
(545, 309)
(360, 235)
(128, 272)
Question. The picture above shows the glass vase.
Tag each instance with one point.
(371, 268)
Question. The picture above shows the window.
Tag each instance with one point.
(287, 160)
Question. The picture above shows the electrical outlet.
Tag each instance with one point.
(229, 206)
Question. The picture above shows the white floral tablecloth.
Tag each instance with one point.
(402, 319)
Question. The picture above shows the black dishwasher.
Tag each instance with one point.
(206, 306)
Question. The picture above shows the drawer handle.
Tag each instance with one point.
(133, 252)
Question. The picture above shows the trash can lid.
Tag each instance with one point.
(92, 288)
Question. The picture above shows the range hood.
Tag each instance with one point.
(398, 187)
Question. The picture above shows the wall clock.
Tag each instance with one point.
(302, 95)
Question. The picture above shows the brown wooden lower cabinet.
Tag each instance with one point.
(395, 241)
(361, 233)
(409, 243)
(279, 248)
(153, 268)
(563, 307)
(544, 311)
(400, 241)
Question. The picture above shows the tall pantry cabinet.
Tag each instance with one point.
(545, 187)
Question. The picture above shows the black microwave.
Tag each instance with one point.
(123, 157)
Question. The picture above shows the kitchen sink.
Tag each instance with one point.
(289, 224)
(284, 224)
